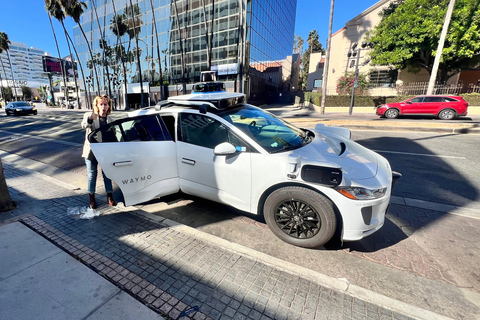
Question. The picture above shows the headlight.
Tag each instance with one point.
(18, 110)
(359, 193)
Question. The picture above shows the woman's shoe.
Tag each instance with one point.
(111, 202)
(93, 204)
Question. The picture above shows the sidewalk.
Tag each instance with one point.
(163, 265)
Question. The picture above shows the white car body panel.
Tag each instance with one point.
(140, 178)
(225, 179)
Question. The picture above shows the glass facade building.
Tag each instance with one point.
(251, 45)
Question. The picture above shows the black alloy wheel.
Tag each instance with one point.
(300, 216)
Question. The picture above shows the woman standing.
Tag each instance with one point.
(100, 116)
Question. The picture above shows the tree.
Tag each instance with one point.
(5, 46)
(6, 202)
(408, 35)
(314, 46)
(298, 44)
(26, 93)
(74, 9)
(54, 9)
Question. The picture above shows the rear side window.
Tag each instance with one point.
(433, 99)
(448, 99)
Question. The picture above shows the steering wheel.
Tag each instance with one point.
(252, 126)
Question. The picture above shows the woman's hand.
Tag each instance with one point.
(93, 116)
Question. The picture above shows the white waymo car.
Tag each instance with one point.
(308, 184)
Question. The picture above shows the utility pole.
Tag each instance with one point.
(438, 55)
(327, 61)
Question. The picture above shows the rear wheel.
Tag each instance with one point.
(391, 113)
(300, 216)
(447, 114)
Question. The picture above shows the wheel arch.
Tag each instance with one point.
(267, 192)
(447, 108)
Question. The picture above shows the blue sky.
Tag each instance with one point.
(26, 21)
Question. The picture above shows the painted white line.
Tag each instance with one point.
(420, 154)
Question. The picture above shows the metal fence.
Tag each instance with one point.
(419, 88)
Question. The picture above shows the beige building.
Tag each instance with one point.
(342, 41)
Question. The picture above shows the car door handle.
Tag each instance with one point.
(122, 163)
(188, 161)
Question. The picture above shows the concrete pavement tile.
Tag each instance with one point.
(123, 306)
(21, 248)
(58, 287)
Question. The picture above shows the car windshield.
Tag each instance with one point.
(21, 104)
(272, 133)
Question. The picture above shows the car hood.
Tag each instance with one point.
(329, 149)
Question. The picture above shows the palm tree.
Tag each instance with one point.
(5, 45)
(119, 28)
(138, 54)
(102, 46)
(54, 9)
(74, 10)
(181, 48)
(158, 51)
(4, 72)
(205, 23)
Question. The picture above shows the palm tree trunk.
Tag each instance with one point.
(123, 62)
(13, 79)
(87, 95)
(1, 85)
(6, 202)
(181, 49)
(73, 64)
(4, 73)
(91, 56)
(102, 37)
(209, 61)
(138, 55)
(158, 52)
(59, 57)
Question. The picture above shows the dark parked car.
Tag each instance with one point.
(20, 107)
(443, 107)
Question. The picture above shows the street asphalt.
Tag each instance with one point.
(136, 262)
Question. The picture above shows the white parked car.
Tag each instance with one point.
(308, 184)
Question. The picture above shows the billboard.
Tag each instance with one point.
(52, 65)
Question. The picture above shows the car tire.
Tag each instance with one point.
(35, 112)
(391, 113)
(447, 114)
(286, 211)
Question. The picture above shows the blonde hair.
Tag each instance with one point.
(97, 100)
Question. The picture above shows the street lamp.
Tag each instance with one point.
(353, 54)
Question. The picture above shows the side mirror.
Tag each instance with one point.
(408, 102)
(224, 149)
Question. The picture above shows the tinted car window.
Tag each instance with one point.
(433, 99)
(206, 132)
(149, 128)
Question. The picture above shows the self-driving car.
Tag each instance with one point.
(309, 184)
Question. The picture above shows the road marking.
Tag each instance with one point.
(421, 154)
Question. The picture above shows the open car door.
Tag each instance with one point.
(139, 155)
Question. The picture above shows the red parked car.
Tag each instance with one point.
(443, 107)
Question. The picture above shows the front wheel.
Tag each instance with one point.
(391, 113)
(447, 114)
(300, 216)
